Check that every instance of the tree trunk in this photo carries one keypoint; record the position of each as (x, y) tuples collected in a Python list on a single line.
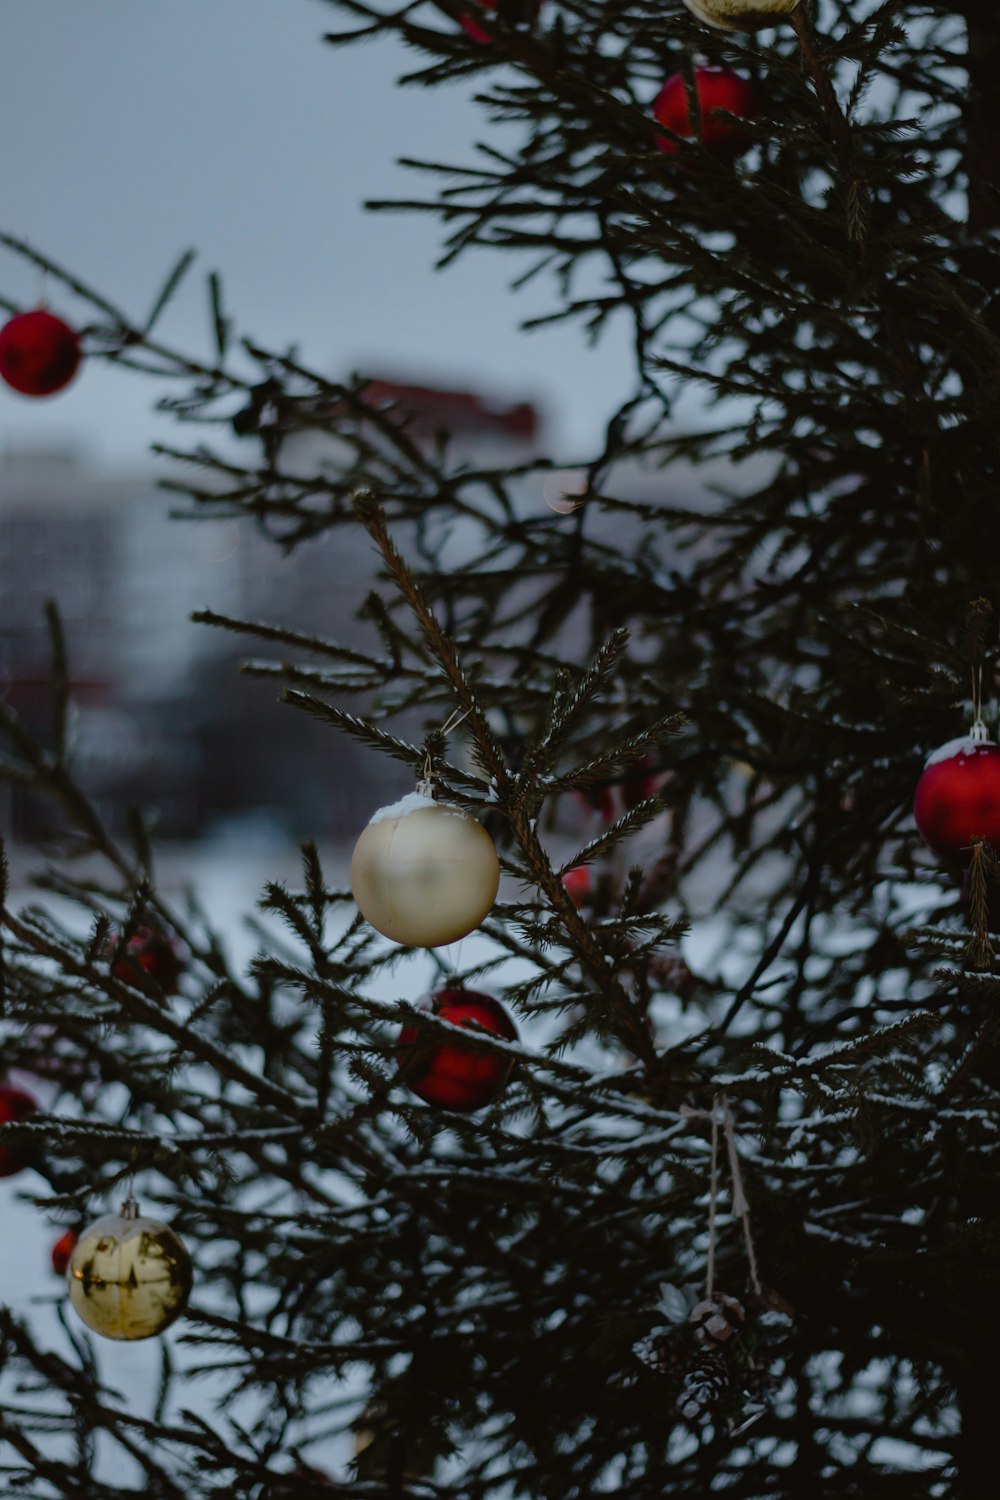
[(978, 1465), (982, 114)]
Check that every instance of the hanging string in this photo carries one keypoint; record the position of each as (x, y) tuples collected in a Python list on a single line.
[(713, 1205), (741, 1208), (454, 719), (740, 1203), (425, 781)]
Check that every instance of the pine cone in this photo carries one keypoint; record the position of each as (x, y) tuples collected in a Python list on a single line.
[(705, 1384), (718, 1319), (658, 1352), (760, 1382), (665, 1357)]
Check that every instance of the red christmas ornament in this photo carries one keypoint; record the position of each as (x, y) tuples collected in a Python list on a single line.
[(476, 32), (39, 353), (62, 1250), (616, 795), (150, 962), (447, 1073), (579, 885), (314, 1476), (958, 797), (715, 89), (15, 1105)]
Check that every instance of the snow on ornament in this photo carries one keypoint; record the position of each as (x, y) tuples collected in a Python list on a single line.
[(424, 872), (741, 15), (958, 796)]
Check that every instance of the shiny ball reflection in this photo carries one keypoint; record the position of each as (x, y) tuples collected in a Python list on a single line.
[(129, 1277)]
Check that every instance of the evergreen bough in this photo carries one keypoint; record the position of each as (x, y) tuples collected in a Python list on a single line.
[(492, 1289)]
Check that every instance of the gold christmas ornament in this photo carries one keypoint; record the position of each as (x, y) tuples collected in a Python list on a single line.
[(129, 1277), (741, 15), (424, 873), (380, 1444)]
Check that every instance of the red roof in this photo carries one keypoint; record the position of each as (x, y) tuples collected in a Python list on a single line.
[(431, 409)]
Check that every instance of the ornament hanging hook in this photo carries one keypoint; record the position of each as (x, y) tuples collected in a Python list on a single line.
[(130, 1208), (426, 779), (978, 732)]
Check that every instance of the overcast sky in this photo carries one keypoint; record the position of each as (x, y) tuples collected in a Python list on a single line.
[(131, 130)]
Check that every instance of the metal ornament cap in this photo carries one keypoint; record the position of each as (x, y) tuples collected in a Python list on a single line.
[(129, 1277), (424, 873), (741, 15)]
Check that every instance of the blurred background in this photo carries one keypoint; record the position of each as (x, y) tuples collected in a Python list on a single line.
[(162, 717), (130, 133)]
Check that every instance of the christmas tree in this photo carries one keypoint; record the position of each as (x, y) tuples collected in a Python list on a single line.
[(683, 1179)]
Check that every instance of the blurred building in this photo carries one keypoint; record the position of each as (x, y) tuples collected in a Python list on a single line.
[(161, 716)]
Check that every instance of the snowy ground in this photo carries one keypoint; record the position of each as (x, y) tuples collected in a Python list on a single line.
[(229, 876)]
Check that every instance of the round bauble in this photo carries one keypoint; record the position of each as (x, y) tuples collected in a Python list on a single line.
[(615, 795), (39, 353), (62, 1251), (716, 89), (579, 885), (15, 1105), (424, 873), (389, 1448), (129, 1277), (958, 798), (150, 962), (448, 1074), (526, 10), (741, 15)]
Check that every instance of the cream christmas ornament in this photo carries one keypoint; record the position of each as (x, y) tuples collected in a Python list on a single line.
[(741, 15), (424, 873), (129, 1277)]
